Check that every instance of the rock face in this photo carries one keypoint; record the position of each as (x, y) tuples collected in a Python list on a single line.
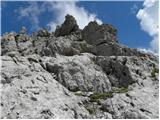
[(97, 34), (28, 91), (75, 73), (104, 39)]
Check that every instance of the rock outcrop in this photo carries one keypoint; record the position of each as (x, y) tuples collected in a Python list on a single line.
[(96, 34), (75, 73), (104, 39), (69, 25), (43, 33)]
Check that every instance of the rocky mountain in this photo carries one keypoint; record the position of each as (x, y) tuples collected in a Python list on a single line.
[(74, 73)]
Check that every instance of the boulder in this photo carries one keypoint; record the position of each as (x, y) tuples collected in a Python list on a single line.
[(79, 73), (118, 74)]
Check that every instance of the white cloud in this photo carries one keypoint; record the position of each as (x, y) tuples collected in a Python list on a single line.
[(59, 10), (148, 17), (82, 16), (134, 9), (149, 51), (31, 12)]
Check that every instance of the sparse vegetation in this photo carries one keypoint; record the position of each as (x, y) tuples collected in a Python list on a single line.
[(154, 71), (90, 110), (78, 94), (122, 90), (144, 77), (74, 89), (96, 96)]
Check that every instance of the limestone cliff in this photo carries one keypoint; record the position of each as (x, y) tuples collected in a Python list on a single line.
[(74, 73)]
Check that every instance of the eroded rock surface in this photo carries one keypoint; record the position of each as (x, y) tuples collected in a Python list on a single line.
[(73, 73)]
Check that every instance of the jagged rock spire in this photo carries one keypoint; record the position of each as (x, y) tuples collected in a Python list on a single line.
[(69, 26), (94, 33)]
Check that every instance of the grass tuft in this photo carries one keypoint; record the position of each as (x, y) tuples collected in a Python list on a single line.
[(154, 71), (122, 90), (90, 110), (96, 96), (79, 94)]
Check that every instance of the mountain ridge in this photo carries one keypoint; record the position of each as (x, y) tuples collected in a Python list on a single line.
[(76, 73)]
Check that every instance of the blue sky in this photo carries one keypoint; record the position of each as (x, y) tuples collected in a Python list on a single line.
[(120, 14)]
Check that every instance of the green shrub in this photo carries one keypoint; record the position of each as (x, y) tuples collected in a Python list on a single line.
[(122, 90), (96, 96), (154, 71), (90, 110), (78, 94), (153, 74), (144, 77)]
